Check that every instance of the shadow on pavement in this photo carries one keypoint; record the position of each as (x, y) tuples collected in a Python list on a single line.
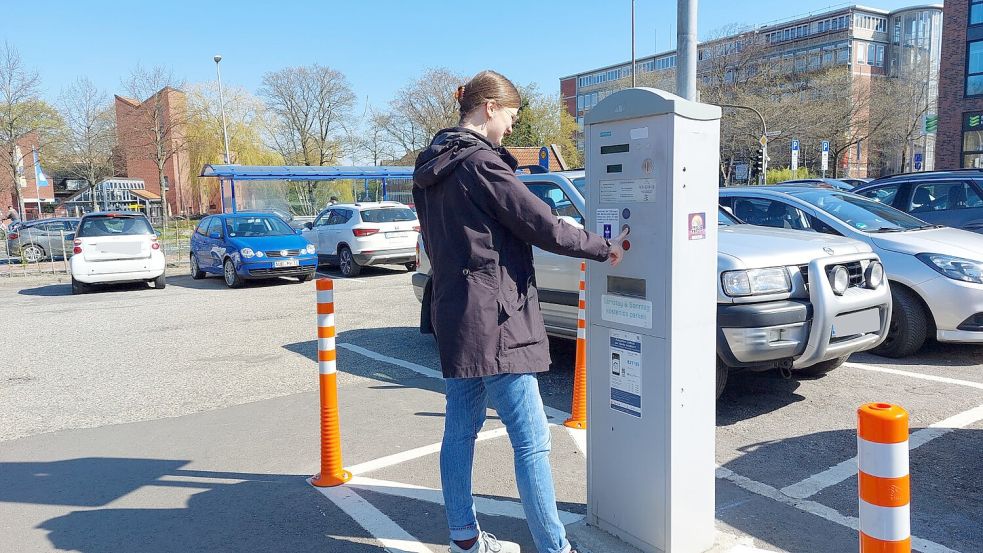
[(750, 394), (368, 272), (264, 512), (215, 282), (48, 290)]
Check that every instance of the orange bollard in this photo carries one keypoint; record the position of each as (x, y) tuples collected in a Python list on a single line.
[(332, 473), (884, 485), (578, 410)]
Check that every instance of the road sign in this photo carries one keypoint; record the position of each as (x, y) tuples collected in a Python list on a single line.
[(763, 140), (825, 147), (795, 155), (931, 123), (918, 162), (544, 158)]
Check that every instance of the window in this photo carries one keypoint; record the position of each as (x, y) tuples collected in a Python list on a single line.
[(580, 102), (339, 217), (388, 215), (214, 227), (259, 225), (974, 68), (769, 213), (976, 12), (883, 194), (557, 200), (943, 196), (872, 54), (861, 54), (880, 55), (114, 225), (972, 151)]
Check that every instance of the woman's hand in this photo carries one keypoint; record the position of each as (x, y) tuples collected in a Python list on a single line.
[(617, 253)]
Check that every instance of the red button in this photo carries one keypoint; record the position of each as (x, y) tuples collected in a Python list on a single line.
[(626, 245)]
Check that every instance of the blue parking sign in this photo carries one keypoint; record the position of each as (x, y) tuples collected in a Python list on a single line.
[(825, 145), (795, 145)]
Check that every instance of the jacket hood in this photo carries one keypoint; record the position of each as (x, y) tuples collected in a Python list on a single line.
[(448, 149)]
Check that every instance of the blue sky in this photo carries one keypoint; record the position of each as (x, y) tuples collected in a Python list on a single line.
[(378, 44)]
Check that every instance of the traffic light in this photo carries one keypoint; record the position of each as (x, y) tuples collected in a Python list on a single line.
[(759, 161)]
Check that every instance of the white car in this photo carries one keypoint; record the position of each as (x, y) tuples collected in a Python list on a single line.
[(367, 233), (116, 247)]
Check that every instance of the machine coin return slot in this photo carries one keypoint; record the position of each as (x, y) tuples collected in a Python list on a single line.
[(624, 286), (615, 149), (614, 168)]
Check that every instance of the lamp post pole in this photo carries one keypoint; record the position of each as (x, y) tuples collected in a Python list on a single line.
[(221, 100)]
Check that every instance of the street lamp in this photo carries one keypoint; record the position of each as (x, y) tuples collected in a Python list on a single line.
[(764, 140), (221, 99)]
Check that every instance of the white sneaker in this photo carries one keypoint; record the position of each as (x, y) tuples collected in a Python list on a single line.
[(487, 543)]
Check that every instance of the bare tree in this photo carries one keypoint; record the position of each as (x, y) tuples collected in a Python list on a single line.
[(90, 132), (421, 108), (156, 132), (22, 113)]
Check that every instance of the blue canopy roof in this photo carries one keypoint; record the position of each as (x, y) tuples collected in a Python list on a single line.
[(304, 172)]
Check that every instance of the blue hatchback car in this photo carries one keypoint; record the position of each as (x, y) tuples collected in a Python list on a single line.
[(249, 245)]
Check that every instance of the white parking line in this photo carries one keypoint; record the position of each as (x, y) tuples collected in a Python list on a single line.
[(377, 524), (933, 378), (416, 453), (848, 469), (818, 509)]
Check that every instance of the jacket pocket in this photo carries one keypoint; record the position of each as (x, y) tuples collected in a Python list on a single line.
[(524, 327)]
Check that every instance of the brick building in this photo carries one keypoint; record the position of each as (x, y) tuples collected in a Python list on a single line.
[(136, 122), (960, 135), (29, 191), (870, 41)]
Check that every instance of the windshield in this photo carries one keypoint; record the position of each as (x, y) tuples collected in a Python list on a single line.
[(579, 182), (725, 219), (113, 226), (859, 212), (259, 225), (388, 215)]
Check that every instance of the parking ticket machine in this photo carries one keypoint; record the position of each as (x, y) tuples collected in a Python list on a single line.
[(652, 165)]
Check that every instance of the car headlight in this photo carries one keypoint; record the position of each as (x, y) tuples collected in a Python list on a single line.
[(246, 252), (754, 282), (955, 268), (874, 275), (311, 248), (839, 278), (260, 254)]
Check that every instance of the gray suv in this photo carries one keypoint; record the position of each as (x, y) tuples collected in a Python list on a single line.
[(785, 299)]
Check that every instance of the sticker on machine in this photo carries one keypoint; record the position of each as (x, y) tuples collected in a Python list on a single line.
[(625, 310), (625, 357), (627, 190), (697, 226), (607, 222)]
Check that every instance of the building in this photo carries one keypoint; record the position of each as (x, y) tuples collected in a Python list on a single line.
[(114, 194), (34, 198), (136, 125), (960, 136), (871, 42)]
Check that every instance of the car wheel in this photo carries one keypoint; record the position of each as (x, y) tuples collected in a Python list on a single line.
[(32, 253), (909, 325), (349, 267), (160, 283), (410, 266), (722, 371), (822, 368), (78, 287), (232, 278), (196, 272)]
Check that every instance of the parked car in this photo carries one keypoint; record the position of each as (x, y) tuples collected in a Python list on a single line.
[(776, 302), (936, 273), (950, 198), (43, 239), (250, 245), (368, 233), (837, 184), (115, 247), (855, 181)]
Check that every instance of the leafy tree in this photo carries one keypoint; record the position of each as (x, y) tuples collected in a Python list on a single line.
[(90, 133)]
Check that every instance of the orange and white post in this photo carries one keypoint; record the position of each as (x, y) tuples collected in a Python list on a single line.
[(332, 473), (884, 485), (578, 409)]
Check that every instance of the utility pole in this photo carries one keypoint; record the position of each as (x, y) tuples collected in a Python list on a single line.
[(633, 43), (686, 49)]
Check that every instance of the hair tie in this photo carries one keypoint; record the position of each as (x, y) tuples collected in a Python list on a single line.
[(459, 93)]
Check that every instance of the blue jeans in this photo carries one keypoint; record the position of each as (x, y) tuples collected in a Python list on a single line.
[(519, 405)]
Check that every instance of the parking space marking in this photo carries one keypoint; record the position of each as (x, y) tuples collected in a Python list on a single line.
[(933, 378), (416, 453), (375, 522), (848, 469), (818, 509), (484, 505), (419, 369)]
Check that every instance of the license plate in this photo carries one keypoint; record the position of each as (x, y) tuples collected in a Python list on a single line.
[(400, 234), (860, 322), (286, 263), (124, 248)]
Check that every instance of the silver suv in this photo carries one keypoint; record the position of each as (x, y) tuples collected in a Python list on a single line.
[(785, 299)]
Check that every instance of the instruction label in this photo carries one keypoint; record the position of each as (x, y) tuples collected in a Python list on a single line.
[(624, 310), (627, 190), (607, 222), (626, 372)]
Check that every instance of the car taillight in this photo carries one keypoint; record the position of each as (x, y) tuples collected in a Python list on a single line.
[(77, 249), (12, 236), (363, 232), (155, 245)]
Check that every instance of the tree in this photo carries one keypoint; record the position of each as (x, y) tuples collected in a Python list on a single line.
[(543, 120), (420, 109), (90, 132), (158, 132), (22, 113)]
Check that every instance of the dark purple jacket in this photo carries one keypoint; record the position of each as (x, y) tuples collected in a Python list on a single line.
[(478, 223)]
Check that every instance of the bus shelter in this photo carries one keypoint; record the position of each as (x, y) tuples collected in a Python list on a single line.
[(388, 176)]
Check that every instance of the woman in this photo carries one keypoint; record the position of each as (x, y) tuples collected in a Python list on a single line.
[(479, 223)]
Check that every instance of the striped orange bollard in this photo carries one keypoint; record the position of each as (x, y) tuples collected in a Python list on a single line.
[(885, 491), (578, 411), (332, 473)]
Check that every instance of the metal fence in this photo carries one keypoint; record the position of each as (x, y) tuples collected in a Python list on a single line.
[(174, 240)]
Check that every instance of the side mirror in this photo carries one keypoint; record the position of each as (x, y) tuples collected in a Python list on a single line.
[(309, 225), (300, 230), (215, 235)]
